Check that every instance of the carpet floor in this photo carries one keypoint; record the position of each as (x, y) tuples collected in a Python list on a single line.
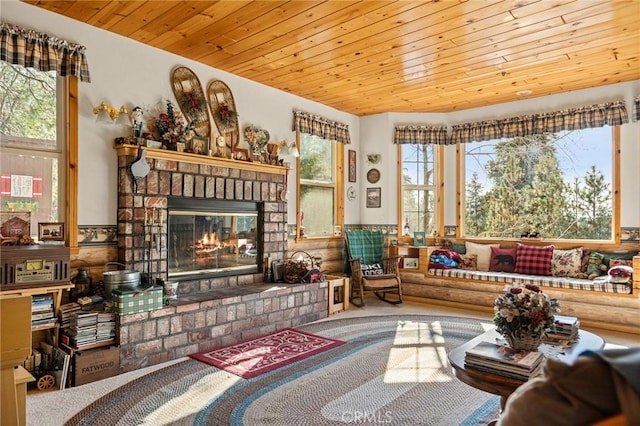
[(392, 370)]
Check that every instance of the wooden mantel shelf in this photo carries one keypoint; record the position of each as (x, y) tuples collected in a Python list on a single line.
[(163, 154)]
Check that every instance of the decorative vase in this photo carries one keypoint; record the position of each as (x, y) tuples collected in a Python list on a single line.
[(527, 343)]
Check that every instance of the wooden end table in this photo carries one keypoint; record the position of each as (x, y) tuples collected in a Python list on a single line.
[(504, 386)]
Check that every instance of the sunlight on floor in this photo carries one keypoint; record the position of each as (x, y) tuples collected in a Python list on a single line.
[(193, 400), (418, 354)]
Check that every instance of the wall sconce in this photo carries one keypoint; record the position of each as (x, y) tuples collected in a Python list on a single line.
[(123, 117), (108, 114), (286, 149)]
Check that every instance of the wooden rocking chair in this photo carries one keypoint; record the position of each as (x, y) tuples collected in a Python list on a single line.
[(370, 270)]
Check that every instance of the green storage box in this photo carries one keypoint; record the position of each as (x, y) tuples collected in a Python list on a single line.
[(127, 301)]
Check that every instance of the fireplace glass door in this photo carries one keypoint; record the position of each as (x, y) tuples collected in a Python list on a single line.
[(217, 242)]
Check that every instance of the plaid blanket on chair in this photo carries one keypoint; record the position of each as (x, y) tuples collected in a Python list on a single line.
[(366, 245)]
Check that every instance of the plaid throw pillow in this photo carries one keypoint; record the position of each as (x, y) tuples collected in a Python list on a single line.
[(532, 260)]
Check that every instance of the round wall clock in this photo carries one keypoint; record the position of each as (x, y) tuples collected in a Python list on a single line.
[(373, 175), (351, 193)]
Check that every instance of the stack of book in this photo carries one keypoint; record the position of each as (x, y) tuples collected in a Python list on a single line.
[(504, 361), (42, 314), (106, 327), (65, 312), (567, 328), (89, 329), (82, 329)]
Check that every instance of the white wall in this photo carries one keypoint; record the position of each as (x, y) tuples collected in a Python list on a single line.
[(125, 72)]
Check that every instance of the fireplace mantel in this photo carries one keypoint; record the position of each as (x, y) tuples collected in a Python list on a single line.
[(186, 157)]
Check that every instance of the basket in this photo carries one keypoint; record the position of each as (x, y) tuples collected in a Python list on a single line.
[(527, 343), (298, 266)]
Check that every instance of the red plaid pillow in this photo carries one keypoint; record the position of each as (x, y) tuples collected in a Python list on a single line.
[(533, 260)]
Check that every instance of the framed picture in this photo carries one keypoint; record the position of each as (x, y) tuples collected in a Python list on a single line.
[(411, 263), (199, 145), (241, 154), (450, 231), (51, 231), (629, 235), (419, 238), (373, 197), (352, 166)]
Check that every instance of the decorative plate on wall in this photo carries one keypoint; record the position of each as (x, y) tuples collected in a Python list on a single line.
[(373, 175), (351, 193)]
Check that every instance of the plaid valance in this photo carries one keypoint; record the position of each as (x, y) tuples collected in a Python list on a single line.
[(599, 115), (421, 135), (29, 48), (636, 109), (321, 127)]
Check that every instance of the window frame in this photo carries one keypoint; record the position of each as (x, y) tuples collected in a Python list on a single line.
[(558, 243), (339, 170), (438, 185), (67, 96)]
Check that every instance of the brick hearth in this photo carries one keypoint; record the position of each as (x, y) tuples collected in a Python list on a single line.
[(208, 312)]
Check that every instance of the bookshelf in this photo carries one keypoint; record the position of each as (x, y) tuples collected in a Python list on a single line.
[(414, 252), (55, 291)]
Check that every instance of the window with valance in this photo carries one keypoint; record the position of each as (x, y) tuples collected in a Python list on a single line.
[(321, 145), (36, 142)]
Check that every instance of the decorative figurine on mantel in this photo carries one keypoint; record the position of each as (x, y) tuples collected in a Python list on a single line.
[(138, 121)]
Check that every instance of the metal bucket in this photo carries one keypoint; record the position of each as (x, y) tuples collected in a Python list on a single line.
[(119, 279)]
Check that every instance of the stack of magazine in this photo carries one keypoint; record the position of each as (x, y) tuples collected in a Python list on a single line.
[(504, 361), (567, 328)]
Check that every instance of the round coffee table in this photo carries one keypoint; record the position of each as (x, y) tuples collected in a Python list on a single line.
[(504, 386)]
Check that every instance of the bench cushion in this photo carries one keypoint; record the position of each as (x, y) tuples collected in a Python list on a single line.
[(542, 281)]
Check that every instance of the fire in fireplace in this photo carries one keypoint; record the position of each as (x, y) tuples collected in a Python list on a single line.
[(211, 237)]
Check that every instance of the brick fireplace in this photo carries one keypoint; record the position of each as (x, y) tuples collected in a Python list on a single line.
[(208, 312), (192, 177)]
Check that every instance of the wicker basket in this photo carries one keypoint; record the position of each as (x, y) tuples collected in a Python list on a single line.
[(297, 267), (526, 343)]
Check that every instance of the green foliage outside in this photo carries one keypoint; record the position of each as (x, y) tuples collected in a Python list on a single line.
[(27, 102), (528, 193)]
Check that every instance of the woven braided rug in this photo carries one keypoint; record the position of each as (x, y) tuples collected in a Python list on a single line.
[(392, 370)]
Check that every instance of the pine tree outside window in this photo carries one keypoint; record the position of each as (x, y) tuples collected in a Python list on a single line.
[(559, 186)]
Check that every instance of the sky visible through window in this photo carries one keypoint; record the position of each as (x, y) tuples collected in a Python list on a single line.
[(577, 151)]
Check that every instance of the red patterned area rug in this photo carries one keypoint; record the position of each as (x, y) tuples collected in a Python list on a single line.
[(254, 357)]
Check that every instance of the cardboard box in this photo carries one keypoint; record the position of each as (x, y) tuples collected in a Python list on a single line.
[(136, 301), (96, 364)]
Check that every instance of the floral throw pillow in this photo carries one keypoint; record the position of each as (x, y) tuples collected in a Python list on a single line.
[(468, 262), (533, 260), (566, 263)]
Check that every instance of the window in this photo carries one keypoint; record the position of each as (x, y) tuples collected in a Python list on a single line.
[(418, 189), (559, 186), (318, 186), (33, 153)]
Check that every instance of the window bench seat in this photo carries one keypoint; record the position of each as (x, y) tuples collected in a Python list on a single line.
[(543, 282), (597, 304)]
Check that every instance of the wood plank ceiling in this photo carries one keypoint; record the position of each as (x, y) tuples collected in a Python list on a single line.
[(368, 57)]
